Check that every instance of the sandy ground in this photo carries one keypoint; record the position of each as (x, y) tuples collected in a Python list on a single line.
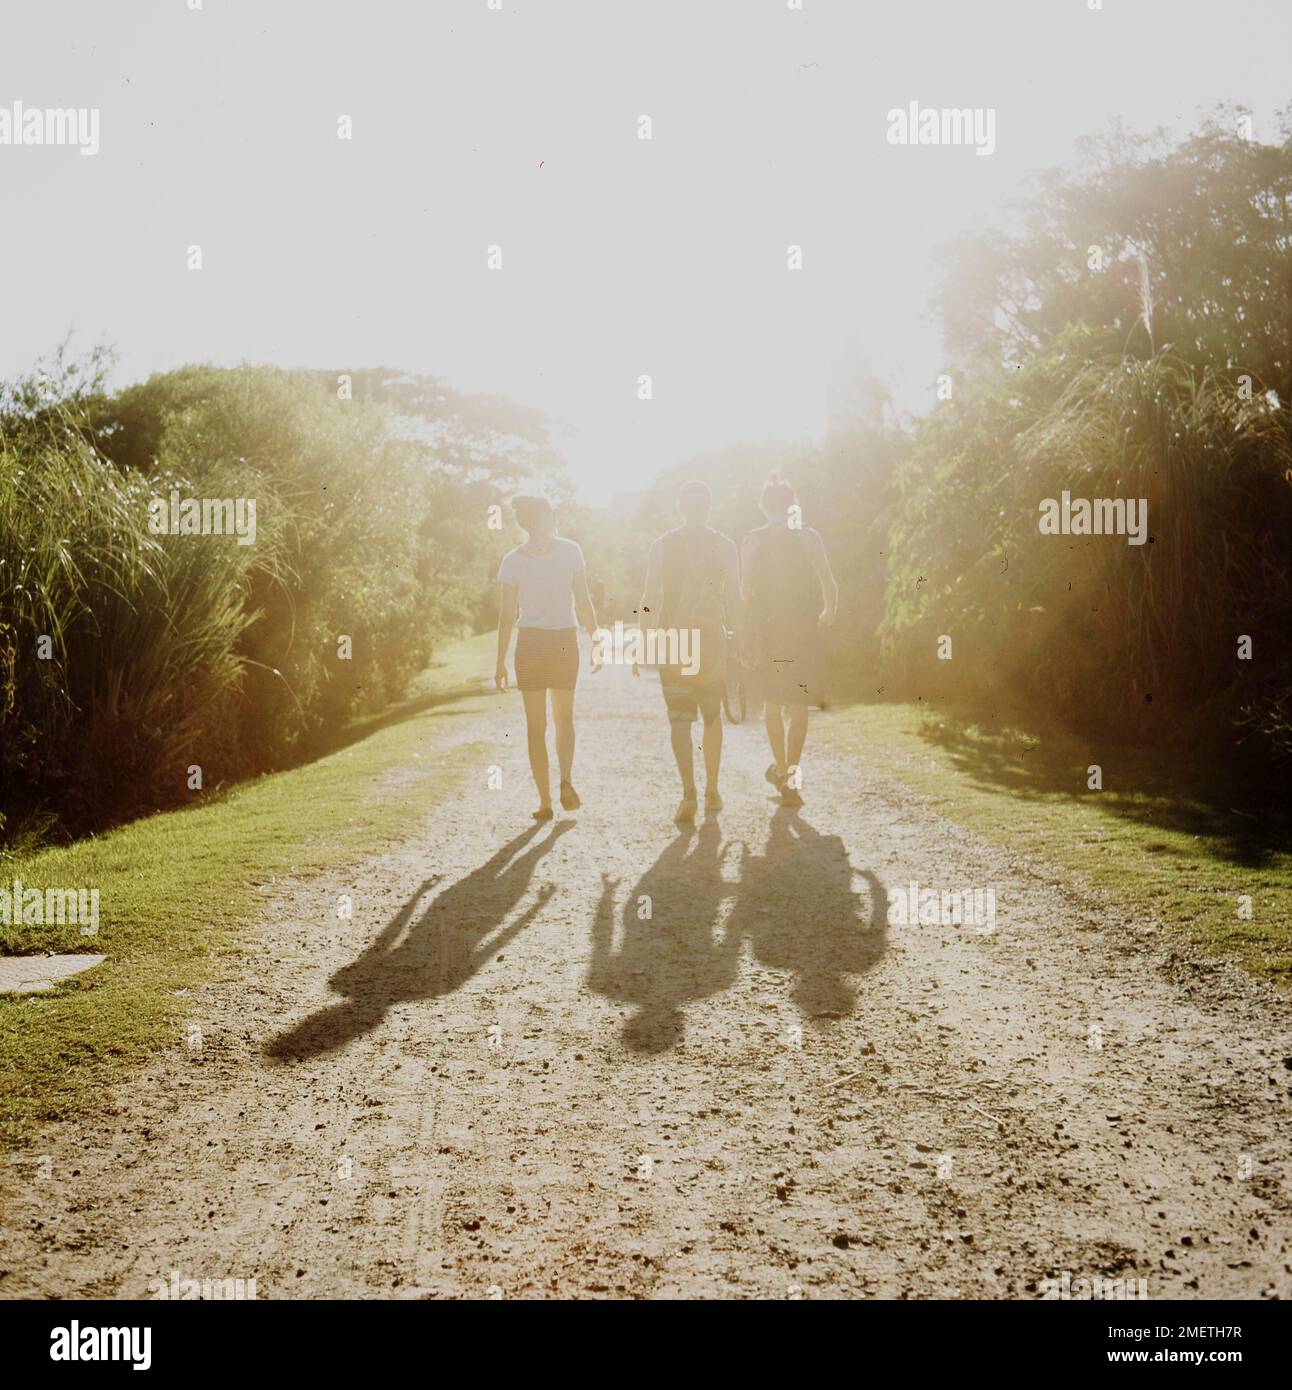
[(502, 1079)]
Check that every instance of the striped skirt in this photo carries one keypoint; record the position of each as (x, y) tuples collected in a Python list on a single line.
[(547, 658)]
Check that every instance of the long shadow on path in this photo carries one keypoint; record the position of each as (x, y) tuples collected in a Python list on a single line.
[(798, 904), (676, 953), (428, 948), (800, 909)]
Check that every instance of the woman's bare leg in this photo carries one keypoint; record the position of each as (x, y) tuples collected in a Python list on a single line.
[(536, 731), (563, 718)]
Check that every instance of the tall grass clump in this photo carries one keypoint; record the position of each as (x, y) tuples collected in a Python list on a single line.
[(118, 652), (1212, 456), (1140, 639), (129, 659)]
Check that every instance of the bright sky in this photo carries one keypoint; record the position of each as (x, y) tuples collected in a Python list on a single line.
[(518, 128)]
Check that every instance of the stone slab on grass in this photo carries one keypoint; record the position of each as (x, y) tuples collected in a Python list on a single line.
[(30, 974)]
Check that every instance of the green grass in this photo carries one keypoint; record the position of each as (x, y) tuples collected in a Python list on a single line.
[(174, 889), (1155, 845)]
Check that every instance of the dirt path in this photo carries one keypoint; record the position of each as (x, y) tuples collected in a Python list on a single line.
[(498, 1079)]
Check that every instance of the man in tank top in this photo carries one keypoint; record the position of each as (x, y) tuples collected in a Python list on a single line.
[(789, 595), (693, 588)]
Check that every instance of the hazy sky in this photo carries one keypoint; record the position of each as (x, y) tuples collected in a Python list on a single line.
[(518, 128)]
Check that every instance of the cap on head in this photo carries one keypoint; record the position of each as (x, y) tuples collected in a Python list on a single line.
[(693, 500)]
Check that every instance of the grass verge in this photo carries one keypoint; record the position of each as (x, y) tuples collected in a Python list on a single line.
[(1185, 855), (175, 887)]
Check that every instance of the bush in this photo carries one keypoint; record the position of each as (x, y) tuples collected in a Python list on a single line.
[(126, 657)]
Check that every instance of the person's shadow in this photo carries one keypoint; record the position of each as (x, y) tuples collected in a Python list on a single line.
[(670, 950), (458, 929), (801, 913)]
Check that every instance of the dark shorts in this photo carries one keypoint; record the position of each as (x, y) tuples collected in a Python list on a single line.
[(685, 700), (547, 658)]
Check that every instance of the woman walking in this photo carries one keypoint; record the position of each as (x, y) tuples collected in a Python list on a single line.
[(789, 592), (544, 587)]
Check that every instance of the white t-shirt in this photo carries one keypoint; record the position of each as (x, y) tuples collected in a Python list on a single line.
[(544, 583)]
